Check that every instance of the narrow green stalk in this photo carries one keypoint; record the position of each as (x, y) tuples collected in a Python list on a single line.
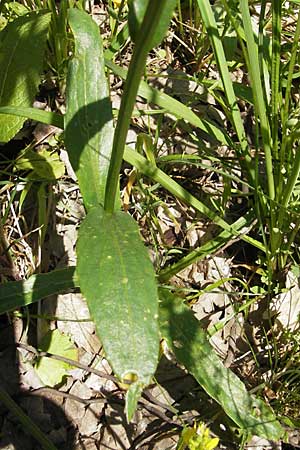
[(135, 71), (212, 30), (290, 74), (180, 17), (214, 245), (291, 183), (285, 115), (174, 188), (27, 423), (261, 36), (275, 83), (258, 95)]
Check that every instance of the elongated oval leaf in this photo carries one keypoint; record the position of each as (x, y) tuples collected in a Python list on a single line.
[(137, 11), (188, 341), (118, 281), (21, 63), (88, 120)]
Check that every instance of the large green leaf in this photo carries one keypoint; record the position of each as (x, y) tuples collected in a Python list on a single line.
[(21, 63), (118, 281), (137, 10), (188, 341), (89, 119)]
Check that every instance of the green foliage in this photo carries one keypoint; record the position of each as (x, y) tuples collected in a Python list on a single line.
[(114, 271), (270, 81), (21, 63)]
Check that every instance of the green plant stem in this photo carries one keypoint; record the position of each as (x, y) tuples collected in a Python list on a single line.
[(135, 71), (276, 33), (178, 191), (290, 242), (212, 30), (27, 423), (224, 239), (292, 180), (285, 115), (258, 94)]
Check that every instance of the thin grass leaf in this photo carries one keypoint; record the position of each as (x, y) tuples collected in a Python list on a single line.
[(258, 94), (26, 421), (212, 30), (175, 107), (275, 77), (48, 117), (178, 191), (242, 225), (15, 294)]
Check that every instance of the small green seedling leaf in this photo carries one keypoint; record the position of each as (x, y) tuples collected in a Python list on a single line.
[(51, 371), (188, 341), (118, 281), (21, 63), (89, 119), (44, 165), (137, 10)]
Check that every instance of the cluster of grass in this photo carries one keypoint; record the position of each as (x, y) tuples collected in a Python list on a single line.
[(241, 117)]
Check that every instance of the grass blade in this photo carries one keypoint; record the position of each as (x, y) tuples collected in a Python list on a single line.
[(258, 95), (178, 191), (15, 294), (212, 30), (175, 107)]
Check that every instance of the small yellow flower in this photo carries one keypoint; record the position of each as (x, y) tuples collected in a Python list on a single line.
[(197, 438), (202, 440), (117, 3)]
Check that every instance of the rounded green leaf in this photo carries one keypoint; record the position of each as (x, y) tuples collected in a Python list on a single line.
[(118, 281)]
